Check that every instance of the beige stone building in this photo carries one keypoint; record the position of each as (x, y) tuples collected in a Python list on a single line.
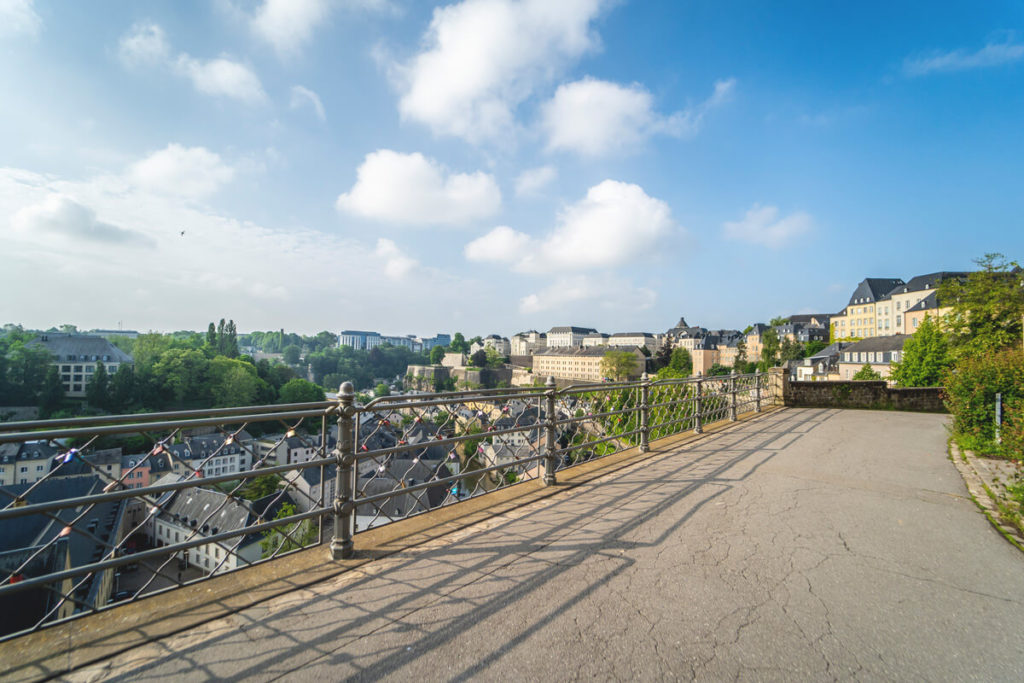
[(860, 317), (878, 352), (77, 356), (580, 364), (893, 311)]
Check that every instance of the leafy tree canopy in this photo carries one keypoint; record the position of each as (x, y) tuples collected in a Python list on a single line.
[(867, 373), (926, 357)]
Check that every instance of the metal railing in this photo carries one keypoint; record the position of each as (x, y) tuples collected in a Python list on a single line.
[(132, 505)]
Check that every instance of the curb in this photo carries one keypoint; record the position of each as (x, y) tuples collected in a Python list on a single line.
[(982, 495)]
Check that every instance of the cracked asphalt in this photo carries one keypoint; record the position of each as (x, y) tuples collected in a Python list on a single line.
[(804, 545)]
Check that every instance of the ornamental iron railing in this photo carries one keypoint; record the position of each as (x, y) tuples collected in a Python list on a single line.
[(99, 511)]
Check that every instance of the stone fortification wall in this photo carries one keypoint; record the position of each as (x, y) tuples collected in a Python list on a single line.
[(862, 394)]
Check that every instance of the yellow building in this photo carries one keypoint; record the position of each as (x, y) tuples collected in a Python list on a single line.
[(860, 317), (893, 310)]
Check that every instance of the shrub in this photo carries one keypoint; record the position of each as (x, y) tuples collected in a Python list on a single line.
[(971, 387), (1013, 431)]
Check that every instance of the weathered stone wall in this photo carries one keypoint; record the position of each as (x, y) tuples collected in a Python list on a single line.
[(862, 394)]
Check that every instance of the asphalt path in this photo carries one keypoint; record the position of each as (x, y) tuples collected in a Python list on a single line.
[(803, 545)]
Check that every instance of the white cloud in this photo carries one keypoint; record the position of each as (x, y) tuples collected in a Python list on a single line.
[(261, 273), (614, 224), (304, 96), (411, 189), (568, 293), (222, 77), (396, 264), (993, 54), (484, 57), (503, 244), (19, 17), (288, 24), (594, 117), (190, 172), (62, 216), (144, 45), (762, 225), (533, 180)]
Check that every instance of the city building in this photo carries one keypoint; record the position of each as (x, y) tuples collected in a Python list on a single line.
[(821, 366), (860, 317), (893, 308), (76, 357), (365, 341), (568, 336), (630, 339), (595, 339), (526, 343), (25, 463), (577, 363), (878, 352)]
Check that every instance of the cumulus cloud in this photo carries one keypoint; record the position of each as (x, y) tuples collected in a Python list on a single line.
[(145, 44), (396, 264), (594, 117), (302, 97), (567, 293), (614, 224), (288, 24), (762, 225), (222, 77), (533, 180), (411, 189), (484, 57), (189, 172), (62, 216), (19, 17), (993, 54)]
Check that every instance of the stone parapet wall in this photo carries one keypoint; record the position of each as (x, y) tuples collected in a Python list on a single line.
[(862, 394)]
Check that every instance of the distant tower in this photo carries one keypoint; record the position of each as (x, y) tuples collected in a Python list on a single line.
[(682, 322)]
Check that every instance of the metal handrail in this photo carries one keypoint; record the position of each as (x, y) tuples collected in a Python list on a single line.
[(540, 455)]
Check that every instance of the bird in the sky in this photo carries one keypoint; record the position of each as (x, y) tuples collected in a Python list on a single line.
[(182, 233)]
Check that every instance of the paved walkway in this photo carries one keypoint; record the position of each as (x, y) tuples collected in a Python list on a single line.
[(806, 545)]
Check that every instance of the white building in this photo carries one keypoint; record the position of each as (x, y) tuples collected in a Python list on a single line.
[(77, 356), (568, 336), (526, 343)]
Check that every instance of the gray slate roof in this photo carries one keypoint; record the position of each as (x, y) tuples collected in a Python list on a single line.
[(892, 342), (573, 329), (872, 289), (80, 347)]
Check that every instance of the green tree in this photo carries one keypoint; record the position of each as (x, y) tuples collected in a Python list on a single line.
[(287, 537), (663, 356), (300, 391), (926, 357), (680, 364), (459, 344), (813, 347), (122, 388), (476, 340), (790, 349), (494, 359), (769, 349), (717, 369), (778, 320), (867, 373), (233, 383), (986, 308), (618, 365), (381, 390), (479, 359), (52, 395), (97, 390), (741, 353), (436, 355), (211, 336), (291, 354)]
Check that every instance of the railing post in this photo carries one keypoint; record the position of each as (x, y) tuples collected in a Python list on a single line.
[(344, 491), (645, 413), (732, 390), (549, 428), (699, 403), (757, 390)]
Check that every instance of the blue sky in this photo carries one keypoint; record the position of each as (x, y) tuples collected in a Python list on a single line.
[(494, 166)]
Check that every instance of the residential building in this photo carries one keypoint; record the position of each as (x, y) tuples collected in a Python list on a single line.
[(928, 306), (127, 334), (492, 341), (76, 357), (568, 336), (704, 355), (823, 365), (278, 449), (860, 317), (754, 341), (25, 463), (216, 454), (526, 343), (892, 310), (878, 352), (802, 332), (365, 341), (595, 339), (577, 363), (631, 339)]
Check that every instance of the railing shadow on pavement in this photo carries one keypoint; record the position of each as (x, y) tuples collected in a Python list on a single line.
[(316, 634)]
